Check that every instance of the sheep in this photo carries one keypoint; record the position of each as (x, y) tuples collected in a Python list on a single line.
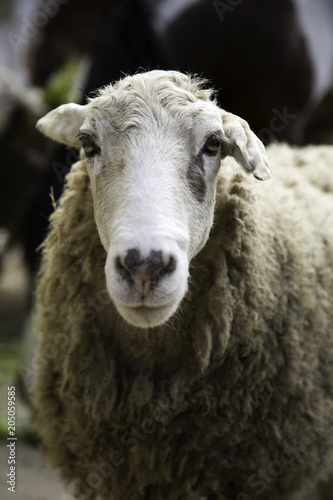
[(184, 308)]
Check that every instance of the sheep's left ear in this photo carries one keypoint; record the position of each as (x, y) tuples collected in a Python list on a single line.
[(240, 142), (62, 124)]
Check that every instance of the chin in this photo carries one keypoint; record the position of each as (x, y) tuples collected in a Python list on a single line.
[(145, 316)]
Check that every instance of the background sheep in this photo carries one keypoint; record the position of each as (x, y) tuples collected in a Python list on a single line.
[(173, 366)]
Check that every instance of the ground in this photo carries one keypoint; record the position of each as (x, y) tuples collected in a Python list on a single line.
[(34, 480)]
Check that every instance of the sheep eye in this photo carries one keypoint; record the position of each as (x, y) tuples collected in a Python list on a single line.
[(212, 145), (89, 147)]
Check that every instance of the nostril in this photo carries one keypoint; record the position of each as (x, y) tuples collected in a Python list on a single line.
[(133, 259), (169, 267), (122, 270), (129, 265), (159, 264)]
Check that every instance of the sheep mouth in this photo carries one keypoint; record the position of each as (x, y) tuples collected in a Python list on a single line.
[(147, 316)]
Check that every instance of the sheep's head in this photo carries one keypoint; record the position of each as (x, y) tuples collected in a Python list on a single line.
[(153, 144)]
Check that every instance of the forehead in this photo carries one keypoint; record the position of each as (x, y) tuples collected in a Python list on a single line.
[(157, 104)]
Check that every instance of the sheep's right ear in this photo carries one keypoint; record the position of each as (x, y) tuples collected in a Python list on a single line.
[(62, 124)]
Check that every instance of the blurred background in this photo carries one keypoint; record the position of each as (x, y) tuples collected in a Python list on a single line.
[(270, 61)]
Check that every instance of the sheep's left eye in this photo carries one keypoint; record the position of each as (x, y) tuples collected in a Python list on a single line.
[(212, 145), (89, 147)]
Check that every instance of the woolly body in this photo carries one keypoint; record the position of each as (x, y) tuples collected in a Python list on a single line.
[(232, 396)]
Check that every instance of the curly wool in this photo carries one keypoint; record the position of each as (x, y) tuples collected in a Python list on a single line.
[(233, 397)]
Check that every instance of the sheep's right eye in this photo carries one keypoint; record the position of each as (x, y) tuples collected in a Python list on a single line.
[(89, 147)]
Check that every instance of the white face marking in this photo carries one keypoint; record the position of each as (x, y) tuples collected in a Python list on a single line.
[(153, 187)]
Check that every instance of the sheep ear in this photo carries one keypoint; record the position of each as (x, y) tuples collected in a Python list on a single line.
[(240, 142), (63, 123)]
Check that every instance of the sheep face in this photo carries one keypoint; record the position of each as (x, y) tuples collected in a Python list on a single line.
[(153, 186), (152, 145)]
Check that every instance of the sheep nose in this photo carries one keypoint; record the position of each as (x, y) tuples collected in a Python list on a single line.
[(144, 273)]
